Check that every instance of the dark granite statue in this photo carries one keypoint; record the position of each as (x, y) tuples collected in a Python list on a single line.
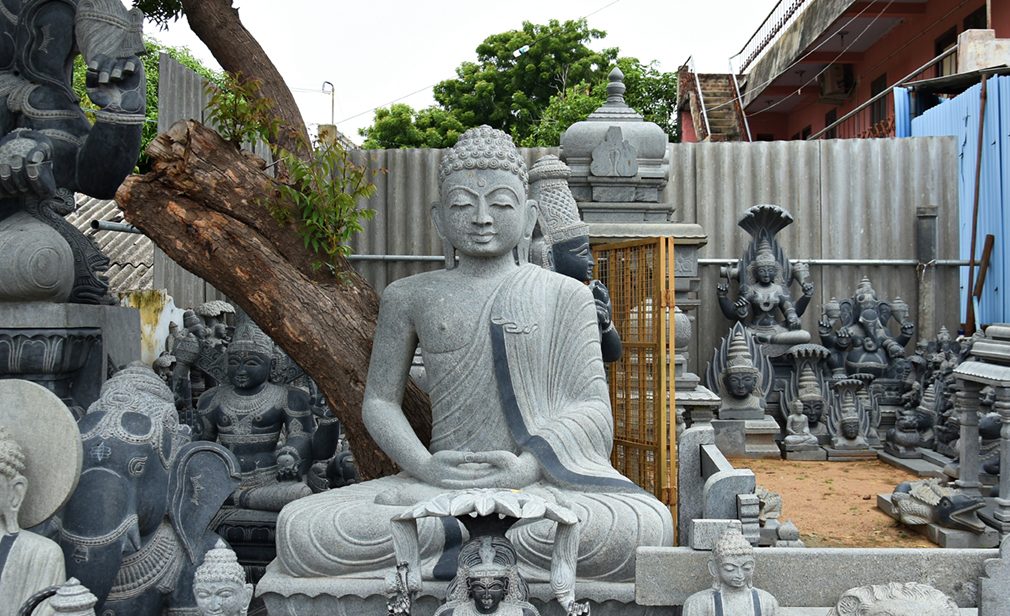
[(49, 149), (249, 415), (740, 375), (764, 274), (857, 331), (137, 526), (561, 243), (487, 582), (808, 388), (849, 421), (928, 501)]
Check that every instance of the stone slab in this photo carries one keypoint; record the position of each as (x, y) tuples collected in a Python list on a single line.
[(347, 596), (730, 437), (720, 492), (690, 481), (705, 533), (667, 576), (848, 455), (745, 414), (935, 457), (815, 455), (919, 466), (944, 537)]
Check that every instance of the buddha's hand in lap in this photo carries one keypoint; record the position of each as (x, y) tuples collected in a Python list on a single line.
[(479, 469)]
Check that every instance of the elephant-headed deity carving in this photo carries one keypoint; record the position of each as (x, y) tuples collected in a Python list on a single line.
[(137, 526)]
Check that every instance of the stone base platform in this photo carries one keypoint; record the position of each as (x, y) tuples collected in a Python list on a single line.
[(921, 467), (850, 455), (347, 596), (944, 537), (935, 457), (747, 438), (816, 454)]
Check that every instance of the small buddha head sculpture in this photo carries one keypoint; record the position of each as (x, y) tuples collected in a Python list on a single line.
[(740, 375), (219, 584), (811, 396), (850, 426), (250, 355), (483, 211), (13, 484), (732, 562)]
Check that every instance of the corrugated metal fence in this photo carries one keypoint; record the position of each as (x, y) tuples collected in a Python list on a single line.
[(959, 118), (852, 199)]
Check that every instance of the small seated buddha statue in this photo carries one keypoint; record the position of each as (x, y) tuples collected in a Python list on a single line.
[(732, 592), (798, 434), (248, 415)]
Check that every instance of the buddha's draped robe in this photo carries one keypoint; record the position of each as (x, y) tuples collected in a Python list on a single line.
[(28, 564), (531, 380)]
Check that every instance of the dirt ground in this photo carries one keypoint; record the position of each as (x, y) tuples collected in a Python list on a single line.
[(834, 504)]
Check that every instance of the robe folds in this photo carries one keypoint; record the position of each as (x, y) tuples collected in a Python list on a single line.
[(531, 380)]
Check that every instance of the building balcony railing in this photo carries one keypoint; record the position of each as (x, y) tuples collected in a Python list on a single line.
[(783, 14), (875, 117)]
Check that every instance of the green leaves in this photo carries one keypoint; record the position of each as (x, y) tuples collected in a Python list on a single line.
[(323, 191), (239, 113)]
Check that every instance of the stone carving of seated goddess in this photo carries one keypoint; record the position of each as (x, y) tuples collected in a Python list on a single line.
[(732, 592), (248, 416), (518, 396), (763, 301)]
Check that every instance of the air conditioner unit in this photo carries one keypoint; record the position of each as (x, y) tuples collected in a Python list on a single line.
[(837, 82)]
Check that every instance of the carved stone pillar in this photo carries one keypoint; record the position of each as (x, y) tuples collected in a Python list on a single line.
[(966, 402), (1002, 512)]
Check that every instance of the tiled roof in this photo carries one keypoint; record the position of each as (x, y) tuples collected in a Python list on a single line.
[(131, 254)]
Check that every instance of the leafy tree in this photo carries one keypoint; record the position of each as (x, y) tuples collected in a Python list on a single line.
[(400, 126), (182, 55), (650, 91)]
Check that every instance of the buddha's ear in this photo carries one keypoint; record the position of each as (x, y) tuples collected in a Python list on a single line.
[(532, 214)]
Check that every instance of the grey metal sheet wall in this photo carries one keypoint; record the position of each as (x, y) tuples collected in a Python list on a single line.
[(851, 199)]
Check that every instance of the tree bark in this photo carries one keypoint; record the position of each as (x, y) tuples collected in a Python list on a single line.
[(204, 204), (217, 24)]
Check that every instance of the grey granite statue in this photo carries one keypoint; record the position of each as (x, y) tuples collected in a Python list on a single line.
[(895, 599), (249, 416), (137, 525), (849, 420), (741, 375), (40, 461), (764, 274), (49, 149), (519, 398), (561, 243), (856, 330), (70, 598), (219, 584), (732, 592)]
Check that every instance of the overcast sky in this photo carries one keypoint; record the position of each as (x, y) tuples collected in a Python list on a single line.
[(395, 50)]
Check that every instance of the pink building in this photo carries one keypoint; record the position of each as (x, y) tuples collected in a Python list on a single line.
[(811, 63)]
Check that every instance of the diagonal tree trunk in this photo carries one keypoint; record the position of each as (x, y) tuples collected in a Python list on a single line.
[(204, 204), (218, 25)]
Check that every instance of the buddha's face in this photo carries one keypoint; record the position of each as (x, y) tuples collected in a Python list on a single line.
[(814, 410), (12, 493), (765, 274), (484, 212), (247, 370), (574, 259), (223, 598), (735, 571), (741, 384), (487, 593)]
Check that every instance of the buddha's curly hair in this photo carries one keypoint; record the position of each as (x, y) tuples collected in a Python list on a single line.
[(732, 543), (12, 459), (483, 148)]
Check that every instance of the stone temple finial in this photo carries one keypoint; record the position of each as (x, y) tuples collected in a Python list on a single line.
[(740, 359), (616, 87)]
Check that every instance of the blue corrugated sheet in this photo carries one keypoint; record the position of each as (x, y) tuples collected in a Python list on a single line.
[(959, 117), (902, 113)]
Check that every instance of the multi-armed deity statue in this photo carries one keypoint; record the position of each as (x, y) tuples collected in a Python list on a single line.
[(764, 303), (518, 396), (732, 592), (857, 331), (49, 149), (249, 415), (561, 243)]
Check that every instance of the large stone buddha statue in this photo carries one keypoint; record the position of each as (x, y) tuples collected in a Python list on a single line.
[(518, 395)]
